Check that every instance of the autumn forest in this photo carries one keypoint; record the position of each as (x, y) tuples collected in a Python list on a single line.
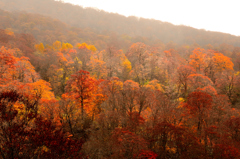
[(84, 83)]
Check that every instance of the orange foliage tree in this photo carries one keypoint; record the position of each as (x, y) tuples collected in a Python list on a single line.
[(82, 86), (7, 64), (198, 59)]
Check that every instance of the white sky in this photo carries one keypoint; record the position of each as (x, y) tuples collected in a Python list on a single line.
[(213, 15)]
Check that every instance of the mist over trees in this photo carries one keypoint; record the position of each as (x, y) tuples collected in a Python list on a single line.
[(84, 83), (102, 22)]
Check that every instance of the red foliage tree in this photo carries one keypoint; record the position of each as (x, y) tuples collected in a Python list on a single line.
[(49, 141), (127, 144), (184, 71), (198, 104), (225, 151), (25, 134), (168, 140), (16, 111)]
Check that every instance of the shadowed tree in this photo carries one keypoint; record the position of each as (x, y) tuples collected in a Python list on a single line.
[(198, 105)]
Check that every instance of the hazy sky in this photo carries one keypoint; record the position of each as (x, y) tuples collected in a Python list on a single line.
[(214, 15)]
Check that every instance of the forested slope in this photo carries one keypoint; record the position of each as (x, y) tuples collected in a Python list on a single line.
[(100, 22), (70, 92)]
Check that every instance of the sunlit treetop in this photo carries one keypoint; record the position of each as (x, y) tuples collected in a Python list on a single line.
[(86, 46)]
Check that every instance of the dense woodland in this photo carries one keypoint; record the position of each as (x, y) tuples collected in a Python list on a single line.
[(84, 83)]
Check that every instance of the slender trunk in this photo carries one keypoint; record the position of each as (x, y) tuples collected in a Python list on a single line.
[(70, 125), (185, 90), (82, 110)]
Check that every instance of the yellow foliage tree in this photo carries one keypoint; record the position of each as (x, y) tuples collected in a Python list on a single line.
[(39, 47), (66, 46), (127, 67), (57, 45), (86, 46)]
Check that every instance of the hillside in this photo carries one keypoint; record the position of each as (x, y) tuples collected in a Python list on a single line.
[(82, 83), (102, 22), (47, 30)]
